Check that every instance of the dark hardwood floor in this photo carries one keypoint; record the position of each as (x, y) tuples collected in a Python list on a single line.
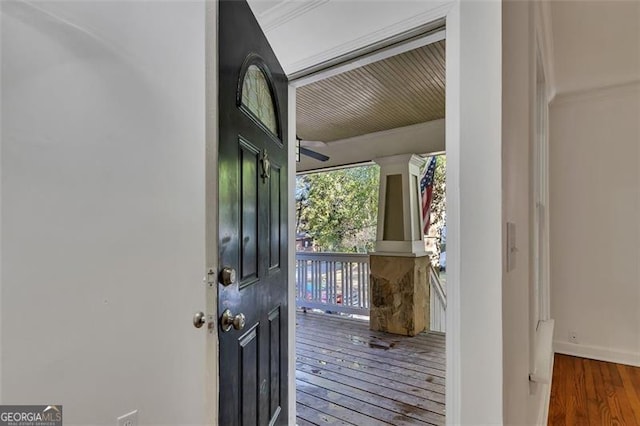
[(349, 375), (596, 393)]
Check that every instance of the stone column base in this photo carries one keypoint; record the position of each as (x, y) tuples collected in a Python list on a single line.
[(399, 294)]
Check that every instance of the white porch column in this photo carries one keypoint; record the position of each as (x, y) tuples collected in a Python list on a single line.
[(400, 265), (399, 208)]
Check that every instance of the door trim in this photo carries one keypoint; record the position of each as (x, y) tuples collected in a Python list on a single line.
[(291, 255), (450, 15), (211, 377)]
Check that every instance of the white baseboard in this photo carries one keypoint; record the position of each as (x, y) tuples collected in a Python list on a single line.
[(597, 352)]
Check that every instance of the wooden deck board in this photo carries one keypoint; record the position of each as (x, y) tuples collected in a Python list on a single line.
[(356, 354), (380, 369), (348, 374), (316, 417), (329, 320), (380, 414), (423, 354), (339, 406), (303, 422), (426, 340), (393, 357), (416, 389)]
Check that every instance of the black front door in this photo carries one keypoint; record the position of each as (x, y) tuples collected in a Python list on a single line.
[(252, 297)]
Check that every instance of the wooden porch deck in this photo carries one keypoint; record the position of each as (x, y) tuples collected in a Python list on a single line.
[(349, 375)]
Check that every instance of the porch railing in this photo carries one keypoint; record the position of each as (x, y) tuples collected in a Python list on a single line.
[(339, 282), (438, 302)]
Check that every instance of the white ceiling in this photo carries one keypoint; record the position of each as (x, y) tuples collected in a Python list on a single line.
[(304, 33), (595, 43)]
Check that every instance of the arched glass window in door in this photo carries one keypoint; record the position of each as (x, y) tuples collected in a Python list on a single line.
[(256, 97)]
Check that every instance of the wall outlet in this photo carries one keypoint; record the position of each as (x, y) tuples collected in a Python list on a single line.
[(129, 419), (573, 337)]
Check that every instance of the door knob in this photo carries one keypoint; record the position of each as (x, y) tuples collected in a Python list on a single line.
[(199, 319), (229, 320), (227, 276)]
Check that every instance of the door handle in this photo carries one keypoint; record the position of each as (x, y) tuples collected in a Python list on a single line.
[(199, 319), (229, 320), (227, 276)]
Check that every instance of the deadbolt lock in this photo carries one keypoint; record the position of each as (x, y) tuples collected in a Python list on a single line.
[(227, 276)]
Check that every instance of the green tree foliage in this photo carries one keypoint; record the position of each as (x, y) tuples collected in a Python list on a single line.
[(339, 209), (438, 207)]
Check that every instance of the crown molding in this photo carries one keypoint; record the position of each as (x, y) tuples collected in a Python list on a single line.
[(286, 11), (596, 92), (433, 14)]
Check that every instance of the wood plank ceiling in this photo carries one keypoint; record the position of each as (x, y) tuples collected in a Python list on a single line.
[(399, 91)]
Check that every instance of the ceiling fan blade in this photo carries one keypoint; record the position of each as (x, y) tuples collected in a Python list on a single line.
[(312, 144), (313, 154)]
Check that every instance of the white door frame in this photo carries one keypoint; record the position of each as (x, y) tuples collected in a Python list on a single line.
[(473, 134), (211, 385)]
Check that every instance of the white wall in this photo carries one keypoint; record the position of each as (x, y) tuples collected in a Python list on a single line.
[(523, 401), (595, 43), (595, 222), (103, 141), (517, 74), (594, 187)]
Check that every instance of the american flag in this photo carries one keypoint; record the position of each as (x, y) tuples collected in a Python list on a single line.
[(426, 190)]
